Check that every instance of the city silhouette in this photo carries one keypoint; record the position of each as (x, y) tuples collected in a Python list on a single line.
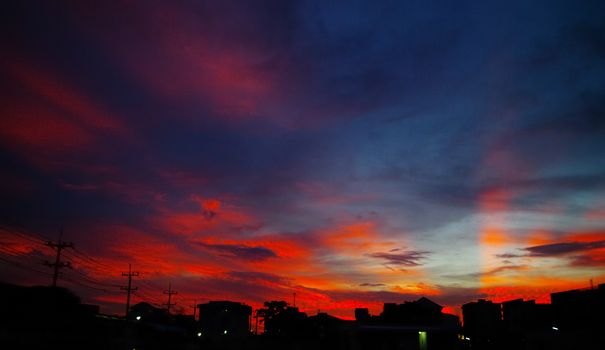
[(53, 316)]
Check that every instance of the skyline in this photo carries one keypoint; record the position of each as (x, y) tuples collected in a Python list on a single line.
[(352, 154)]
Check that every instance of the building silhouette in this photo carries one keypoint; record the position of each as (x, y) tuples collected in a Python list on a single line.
[(522, 316), (224, 319), (482, 322), (579, 318), (38, 317), (419, 324), (579, 308), (146, 312), (362, 314), (573, 320)]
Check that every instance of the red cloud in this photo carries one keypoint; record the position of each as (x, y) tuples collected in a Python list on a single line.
[(538, 292), (75, 105), (18, 243), (38, 127), (46, 118), (180, 60), (213, 215)]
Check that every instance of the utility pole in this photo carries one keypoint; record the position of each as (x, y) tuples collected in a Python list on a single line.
[(256, 323), (58, 264), (129, 288), (169, 292), (194, 306), (294, 304)]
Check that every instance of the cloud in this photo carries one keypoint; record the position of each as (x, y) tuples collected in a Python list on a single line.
[(509, 255), (237, 288), (585, 251), (591, 253), (487, 273), (588, 260), (252, 276), (448, 295), (406, 258), (240, 251), (372, 284), (209, 215), (61, 119), (557, 249), (456, 295), (380, 296)]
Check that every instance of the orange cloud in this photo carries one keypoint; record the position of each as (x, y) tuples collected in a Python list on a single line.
[(539, 237), (418, 288), (357, 238), (494, 236), (145, 251)]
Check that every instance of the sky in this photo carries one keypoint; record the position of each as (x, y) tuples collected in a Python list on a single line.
[(353, 152)]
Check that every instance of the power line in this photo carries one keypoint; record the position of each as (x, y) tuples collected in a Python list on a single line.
[(79, 283), (12, 252), (92, 260), (94, 281), (156, 302), (87, 264), (21, 266), (21, 230), (24, 236), (150, 285)]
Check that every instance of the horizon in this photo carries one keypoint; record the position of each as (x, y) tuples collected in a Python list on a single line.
[(445, 309), (353, 154)]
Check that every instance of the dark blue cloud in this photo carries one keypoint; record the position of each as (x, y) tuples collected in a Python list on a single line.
[(563, 248), (403, 258), (239, 251), (372, 284)]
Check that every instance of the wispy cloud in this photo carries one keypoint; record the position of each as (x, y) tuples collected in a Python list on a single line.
[(372, 284), (509, 255), (491, 272), (404, 258)]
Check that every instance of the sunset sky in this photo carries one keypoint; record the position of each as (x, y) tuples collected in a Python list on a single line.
[(353, 153)]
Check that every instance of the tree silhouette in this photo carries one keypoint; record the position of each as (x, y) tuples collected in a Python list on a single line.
[(270, 313)]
